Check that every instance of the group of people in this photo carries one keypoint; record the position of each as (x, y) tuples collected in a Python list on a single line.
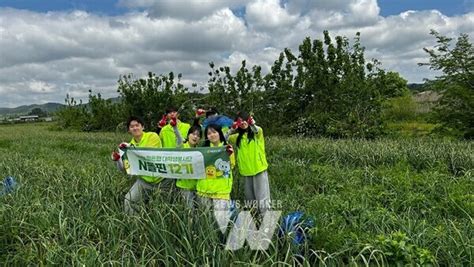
[(242, 138)]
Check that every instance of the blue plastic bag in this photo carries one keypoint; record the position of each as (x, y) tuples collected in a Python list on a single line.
[(8, 185), (298, 224)]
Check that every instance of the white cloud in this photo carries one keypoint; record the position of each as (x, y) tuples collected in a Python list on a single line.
[(268, 15), (90, 51), (186, 10), (40, 87), (339, 13), (398, 41), (44, 56)]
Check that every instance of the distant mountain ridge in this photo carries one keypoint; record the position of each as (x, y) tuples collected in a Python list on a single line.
[(48, 107), (25, 109)]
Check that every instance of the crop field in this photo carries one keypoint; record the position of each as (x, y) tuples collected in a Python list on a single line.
[(381, 202)]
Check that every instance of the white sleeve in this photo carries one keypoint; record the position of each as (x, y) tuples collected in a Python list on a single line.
[(179, 138)]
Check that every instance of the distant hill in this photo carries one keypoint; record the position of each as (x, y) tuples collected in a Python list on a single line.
[(48, 107), (416, 87), (25, 109)]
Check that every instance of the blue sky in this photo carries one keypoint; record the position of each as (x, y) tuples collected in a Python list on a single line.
[(108, 7), (111, 7), (447, 7)]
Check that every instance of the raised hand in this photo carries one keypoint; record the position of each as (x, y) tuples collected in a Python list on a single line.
[(124, 145), (200, 112), (250, 121), (163, 122), (237, 123), (173, 122), (229, 149)]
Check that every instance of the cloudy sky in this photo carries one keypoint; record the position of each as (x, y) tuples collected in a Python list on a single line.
[(51, 48)]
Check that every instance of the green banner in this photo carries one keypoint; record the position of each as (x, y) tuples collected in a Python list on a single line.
[(176, 163)]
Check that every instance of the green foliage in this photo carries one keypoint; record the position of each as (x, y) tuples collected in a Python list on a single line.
[(375, 202), (149, 97), (409, 129), (231, 94), (104, 115), (73, 115), (336, 89), (455, 109), (405, 116), (391, 84), (396, 248), (98, 114), (401, 108), (327, 89)]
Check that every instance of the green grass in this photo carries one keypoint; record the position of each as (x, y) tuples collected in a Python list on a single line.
[(410, 129), (374, 202)]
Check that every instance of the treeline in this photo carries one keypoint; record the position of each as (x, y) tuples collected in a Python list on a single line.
[(327, 89)]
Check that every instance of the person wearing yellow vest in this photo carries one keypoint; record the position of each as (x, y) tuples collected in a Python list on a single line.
[(167, 134), (165, 128), (248, 139), (188, 186), (215, 192), (144, 184)]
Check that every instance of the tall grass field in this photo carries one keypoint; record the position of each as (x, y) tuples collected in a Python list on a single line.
[(382, 202)]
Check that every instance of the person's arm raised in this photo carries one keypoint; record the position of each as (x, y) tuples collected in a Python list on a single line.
[(179, 138), (252, 125), (233, 129)]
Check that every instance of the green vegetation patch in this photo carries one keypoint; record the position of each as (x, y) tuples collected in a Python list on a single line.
[(386, 201)]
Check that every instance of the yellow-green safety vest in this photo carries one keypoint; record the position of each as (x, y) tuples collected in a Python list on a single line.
[(251, 158), (149, 139), (168, 137), (187, 184), (213, 186)]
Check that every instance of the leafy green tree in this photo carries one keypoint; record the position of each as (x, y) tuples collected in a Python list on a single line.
[(328, 89), (231, 93), (98, 114), (391, 84), (104, 115), (279, 95), (455, 109), (149, 97), (74, 115)]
